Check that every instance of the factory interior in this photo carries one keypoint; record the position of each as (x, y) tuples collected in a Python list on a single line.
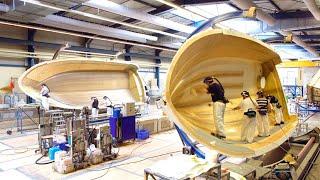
[(160, 89)]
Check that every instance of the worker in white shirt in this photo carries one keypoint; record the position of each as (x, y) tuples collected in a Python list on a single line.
[(44, 92), (249, 125), (108, 104), (277, 109)]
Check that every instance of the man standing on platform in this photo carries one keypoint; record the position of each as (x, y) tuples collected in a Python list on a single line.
[(263, 118), (215, 89)]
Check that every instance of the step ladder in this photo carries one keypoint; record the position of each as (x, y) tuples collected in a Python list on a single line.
[(58, 120)]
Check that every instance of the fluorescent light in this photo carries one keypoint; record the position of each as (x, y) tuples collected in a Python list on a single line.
[(82, 35)]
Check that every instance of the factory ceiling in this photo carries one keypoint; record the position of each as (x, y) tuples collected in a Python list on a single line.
[(168, 23)]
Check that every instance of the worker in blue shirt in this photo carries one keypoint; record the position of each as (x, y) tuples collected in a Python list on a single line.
[(215, 89)]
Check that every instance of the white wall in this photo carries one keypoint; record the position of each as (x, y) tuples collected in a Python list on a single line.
[(6, 73)]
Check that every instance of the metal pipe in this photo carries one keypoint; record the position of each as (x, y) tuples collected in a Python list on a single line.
[(313, 8), (267, 18), (246, 4), (303, 153), (72, 24), (21, 25)]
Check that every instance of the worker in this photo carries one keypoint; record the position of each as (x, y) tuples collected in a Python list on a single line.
[(108, 104), (262, 117), (248, 106), (44, 92), (216, 90), (95, 107), (277, 109)]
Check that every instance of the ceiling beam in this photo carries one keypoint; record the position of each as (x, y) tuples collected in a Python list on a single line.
[(275, 5), (83, 35), (164, 8), (73, 24), (292, 14), (54, 46), (292, 24), (145, 3), (122, 10), (309, 37), (197, 2), (63, 13), (158, 10)]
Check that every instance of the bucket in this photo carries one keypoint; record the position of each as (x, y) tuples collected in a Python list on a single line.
[(52, 152)]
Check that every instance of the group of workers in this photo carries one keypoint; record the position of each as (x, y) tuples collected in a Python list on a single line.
[(44, 92), (255, 112), (95, 105)]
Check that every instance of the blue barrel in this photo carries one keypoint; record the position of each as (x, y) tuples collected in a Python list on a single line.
[(52, 152)]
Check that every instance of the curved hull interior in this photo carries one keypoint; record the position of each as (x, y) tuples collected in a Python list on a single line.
[(239, 62)]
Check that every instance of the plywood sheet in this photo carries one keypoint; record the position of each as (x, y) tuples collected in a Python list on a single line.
[(238, 61)]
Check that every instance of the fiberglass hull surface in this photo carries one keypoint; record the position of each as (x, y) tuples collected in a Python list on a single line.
[(238, 61), (73, 82)]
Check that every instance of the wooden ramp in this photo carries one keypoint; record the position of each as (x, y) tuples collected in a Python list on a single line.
[(73, 82), (239, 62)]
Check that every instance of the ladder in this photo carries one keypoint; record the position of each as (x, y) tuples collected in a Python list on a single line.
[(58, 120)]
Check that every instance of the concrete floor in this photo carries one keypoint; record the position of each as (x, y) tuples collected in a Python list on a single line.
[(20, 164)]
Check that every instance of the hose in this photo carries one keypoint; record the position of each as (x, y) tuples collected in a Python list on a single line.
[(42, 163)]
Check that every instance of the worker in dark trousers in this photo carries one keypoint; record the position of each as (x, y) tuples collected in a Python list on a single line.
[(215, 89), (262, 117), (95, 107)]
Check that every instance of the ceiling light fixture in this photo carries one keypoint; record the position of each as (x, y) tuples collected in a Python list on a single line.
[(82, 35)]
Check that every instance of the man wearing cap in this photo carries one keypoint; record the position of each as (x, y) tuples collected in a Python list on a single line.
[(249, 124), (216, 90), (262, 118)]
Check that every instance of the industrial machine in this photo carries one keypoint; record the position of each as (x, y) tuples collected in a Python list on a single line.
[(122, 127), (84, 146)]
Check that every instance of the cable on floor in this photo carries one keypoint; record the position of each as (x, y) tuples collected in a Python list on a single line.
[(133, 162), (43, 163)]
